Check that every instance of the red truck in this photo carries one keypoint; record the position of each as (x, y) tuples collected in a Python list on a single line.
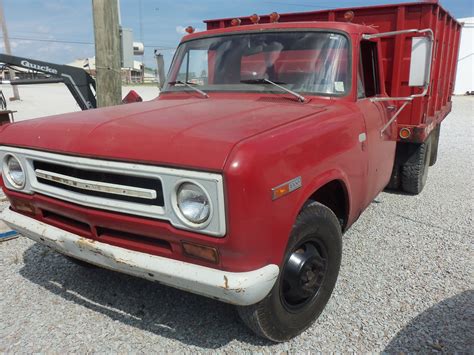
[(270, 138)]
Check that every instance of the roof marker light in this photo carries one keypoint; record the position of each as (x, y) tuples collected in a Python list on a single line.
[(236, 22), (255, 19), (274, 17), (190, 29), (349, 16)]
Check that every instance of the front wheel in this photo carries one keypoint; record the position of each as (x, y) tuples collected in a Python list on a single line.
[(306, 280)]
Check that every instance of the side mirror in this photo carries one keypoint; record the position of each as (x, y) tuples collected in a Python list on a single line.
[(421, 58), (420, 65)]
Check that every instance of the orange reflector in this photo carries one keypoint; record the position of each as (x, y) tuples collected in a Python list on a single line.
[(286, 188), (201, 252), (349, 16), (255, 19), (281, 191), (405, 133), (274, 17), (236, 22), (190, 29)]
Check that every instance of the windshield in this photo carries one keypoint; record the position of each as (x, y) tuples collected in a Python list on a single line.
[(305, 62)]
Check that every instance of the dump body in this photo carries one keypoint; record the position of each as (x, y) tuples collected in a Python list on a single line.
[(423, 113)]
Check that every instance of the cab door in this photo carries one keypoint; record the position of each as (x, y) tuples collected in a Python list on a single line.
[(380, 143)]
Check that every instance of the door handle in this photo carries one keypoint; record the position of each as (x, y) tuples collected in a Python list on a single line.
[(392, 107)]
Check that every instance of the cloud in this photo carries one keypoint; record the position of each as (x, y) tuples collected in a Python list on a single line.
[(56, 5), (181, 30), (43, 29)]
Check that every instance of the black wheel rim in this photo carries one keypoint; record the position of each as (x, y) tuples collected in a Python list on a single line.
[(303, 274)]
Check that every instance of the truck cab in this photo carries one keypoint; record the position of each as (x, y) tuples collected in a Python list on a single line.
[(267, 142)]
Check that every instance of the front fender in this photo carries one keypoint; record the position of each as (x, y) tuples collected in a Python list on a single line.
[(335, 174), (319, 149)]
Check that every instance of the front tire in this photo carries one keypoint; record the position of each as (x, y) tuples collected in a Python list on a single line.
[(307, 277)]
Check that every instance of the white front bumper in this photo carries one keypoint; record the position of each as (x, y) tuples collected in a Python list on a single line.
[(240, 288)]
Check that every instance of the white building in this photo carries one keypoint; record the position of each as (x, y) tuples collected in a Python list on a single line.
[(137, 74), (465, 74)]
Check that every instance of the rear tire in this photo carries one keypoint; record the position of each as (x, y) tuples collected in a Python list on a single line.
[(434, 145), (306, 281), (415, 170)]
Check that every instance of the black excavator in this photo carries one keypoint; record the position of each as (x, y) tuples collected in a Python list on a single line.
[(78, 81)]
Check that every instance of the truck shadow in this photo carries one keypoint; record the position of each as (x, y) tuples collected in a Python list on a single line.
[(447, 327), (149, 306)]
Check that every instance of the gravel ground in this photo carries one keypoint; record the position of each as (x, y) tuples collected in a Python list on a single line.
[(405, 284)]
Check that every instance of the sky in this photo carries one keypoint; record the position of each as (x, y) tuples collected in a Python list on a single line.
[(61, 31)]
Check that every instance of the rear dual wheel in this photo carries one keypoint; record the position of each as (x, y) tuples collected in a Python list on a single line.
[(415, 170), (410, 171), (434, 145), (306, 281)]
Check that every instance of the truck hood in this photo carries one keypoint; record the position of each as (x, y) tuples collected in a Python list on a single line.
[(179, 132)]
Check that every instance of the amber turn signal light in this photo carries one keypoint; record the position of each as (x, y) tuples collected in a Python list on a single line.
[(280, 192), (24, 207), (201, 252)]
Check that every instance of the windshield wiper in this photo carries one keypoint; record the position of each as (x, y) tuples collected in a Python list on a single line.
[(266, 81), (173, 83)]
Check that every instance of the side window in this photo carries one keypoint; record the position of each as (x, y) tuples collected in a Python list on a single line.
[(194, 68), (368, 83)]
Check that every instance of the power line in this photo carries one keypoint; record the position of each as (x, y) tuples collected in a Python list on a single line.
[(76, 42), (51, 40)]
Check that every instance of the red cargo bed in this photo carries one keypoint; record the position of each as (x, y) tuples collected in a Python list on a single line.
[(422, 112)]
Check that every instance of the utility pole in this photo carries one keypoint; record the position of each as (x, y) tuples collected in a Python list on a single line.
[(8, 50), (107, 52)]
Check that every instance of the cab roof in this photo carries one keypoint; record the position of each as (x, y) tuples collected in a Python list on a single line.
[(349, 28)]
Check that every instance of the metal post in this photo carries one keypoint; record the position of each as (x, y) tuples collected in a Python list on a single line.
[(107, 52), (8, 50), (160, 65)]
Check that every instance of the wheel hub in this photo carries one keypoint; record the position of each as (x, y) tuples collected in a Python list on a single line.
[(303, 275)]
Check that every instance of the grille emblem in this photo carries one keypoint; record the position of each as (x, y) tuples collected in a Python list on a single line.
[(103, 187)]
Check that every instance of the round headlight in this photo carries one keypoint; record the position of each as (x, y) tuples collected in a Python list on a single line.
[(193, 203), (14, 172)]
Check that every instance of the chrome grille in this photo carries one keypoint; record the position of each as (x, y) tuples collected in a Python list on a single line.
[(101, 184)]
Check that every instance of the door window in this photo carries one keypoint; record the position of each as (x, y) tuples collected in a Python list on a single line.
[(368, 74)]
